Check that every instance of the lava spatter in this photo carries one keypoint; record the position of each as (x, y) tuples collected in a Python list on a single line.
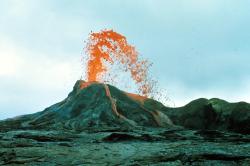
[(110, 46)]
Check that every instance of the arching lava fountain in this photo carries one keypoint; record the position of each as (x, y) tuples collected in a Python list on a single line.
[(108, 47)]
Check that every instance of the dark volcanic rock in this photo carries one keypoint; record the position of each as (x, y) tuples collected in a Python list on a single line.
[(135, 147), (213, 114), (98, 124), (91, 106)]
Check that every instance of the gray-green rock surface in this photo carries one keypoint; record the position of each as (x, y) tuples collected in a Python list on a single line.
[(98, 124)]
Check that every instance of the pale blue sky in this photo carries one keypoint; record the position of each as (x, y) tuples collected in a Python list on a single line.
[(199, 48)]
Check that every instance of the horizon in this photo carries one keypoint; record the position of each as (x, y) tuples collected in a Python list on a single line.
[(198, 49)]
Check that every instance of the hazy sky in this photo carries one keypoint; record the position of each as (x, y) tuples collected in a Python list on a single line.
[(199, 48)]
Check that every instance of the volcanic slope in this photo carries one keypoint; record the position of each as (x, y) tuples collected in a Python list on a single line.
[(98, 105)]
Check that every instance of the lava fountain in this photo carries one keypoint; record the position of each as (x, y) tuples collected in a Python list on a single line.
[(107, 47)]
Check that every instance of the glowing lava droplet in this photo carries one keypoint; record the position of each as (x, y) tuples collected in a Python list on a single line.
[(109, 46)]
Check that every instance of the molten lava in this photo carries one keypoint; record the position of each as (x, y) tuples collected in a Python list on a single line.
[(111, 47), (86, 84), (136, 97)]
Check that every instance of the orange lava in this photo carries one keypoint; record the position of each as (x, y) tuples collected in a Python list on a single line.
[(136, 97), (111, 46), (86, 84)]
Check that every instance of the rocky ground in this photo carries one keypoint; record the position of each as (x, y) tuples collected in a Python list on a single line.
[(124, 147), (98, 124)]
